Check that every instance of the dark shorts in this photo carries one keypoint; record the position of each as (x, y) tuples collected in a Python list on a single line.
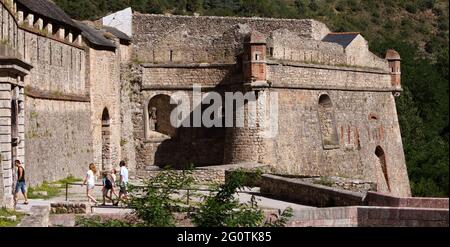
[(21, 186)]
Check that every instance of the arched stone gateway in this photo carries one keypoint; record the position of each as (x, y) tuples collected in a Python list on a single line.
[(106, 140), (158, 117), (382, 180)]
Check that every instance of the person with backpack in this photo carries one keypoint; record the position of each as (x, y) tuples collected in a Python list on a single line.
[(108, 187)]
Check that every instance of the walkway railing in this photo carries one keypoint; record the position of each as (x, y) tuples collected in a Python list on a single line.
[(189, 191)]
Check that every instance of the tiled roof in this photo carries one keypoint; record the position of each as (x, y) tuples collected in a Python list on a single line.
[(343, 39), (94, 36), (47, 9)]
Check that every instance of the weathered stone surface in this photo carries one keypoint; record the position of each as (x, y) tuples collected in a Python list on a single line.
[(369, 217), (84, 103), (68, 208), (39, 217)]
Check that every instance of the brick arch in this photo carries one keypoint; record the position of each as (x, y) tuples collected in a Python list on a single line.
[(328, 128), (106, 139), (381, 155)]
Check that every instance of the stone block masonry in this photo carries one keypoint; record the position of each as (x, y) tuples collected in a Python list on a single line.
[(370, 217), (69, 208), (90, 94), (304, 193), (58, 142)]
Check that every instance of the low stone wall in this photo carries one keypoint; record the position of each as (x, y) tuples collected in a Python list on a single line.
[(69, 208), (355, 185), (402, 217), (38, 217), (325, 217), (297, 191), (370, 217), (378, 199)]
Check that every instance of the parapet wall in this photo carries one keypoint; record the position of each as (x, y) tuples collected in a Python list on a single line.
[(370, 217), (58, 65), (308, 194), (159, 38), (377, 199)]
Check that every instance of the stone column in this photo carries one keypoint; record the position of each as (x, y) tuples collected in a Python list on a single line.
[(5, 143)]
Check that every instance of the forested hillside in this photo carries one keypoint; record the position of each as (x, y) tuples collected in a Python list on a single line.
[(418, 29)]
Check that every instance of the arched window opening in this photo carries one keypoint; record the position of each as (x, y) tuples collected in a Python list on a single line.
[(379, 152), (159, 111), (106, 140), (330, 137)]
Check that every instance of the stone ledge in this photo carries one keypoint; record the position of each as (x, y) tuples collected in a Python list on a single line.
[(378, 199), (304, 193), (329, 67), (369, 217), (40, 94), (187, 65)]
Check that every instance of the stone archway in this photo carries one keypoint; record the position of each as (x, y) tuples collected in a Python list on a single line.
[(159, 111), (106, 140)]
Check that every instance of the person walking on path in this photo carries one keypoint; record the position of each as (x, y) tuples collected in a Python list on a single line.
[(123, 182), (90, 181), (108, 187), (20, 183)]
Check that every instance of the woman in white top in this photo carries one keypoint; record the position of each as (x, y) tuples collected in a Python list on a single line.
[(90, 181)]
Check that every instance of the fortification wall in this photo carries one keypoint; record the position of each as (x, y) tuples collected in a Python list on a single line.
[(58, 139), (158, 38), (358, 54), (361, 121), (105, 96), (58, 65), (167, 76), (300, 75), (286, 45), (57, 116)]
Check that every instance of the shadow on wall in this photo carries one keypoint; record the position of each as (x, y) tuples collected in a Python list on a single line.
[(198, 146)]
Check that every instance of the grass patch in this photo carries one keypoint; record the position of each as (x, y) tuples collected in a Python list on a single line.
[(97, 221), (69, 179), (53, 189), (6, 213)]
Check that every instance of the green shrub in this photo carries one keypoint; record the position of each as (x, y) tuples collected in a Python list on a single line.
[(154, 204), (224, 210), (281, 219)]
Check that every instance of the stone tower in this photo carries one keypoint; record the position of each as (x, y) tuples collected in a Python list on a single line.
[(394, 60)]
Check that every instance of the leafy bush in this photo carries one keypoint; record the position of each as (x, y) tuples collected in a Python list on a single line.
[(224, 210), (281, 219), (411, 8), (153, 204)]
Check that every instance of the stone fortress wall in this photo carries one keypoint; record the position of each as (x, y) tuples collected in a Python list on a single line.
[(93, 95), (178, 51), (56, 96)]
